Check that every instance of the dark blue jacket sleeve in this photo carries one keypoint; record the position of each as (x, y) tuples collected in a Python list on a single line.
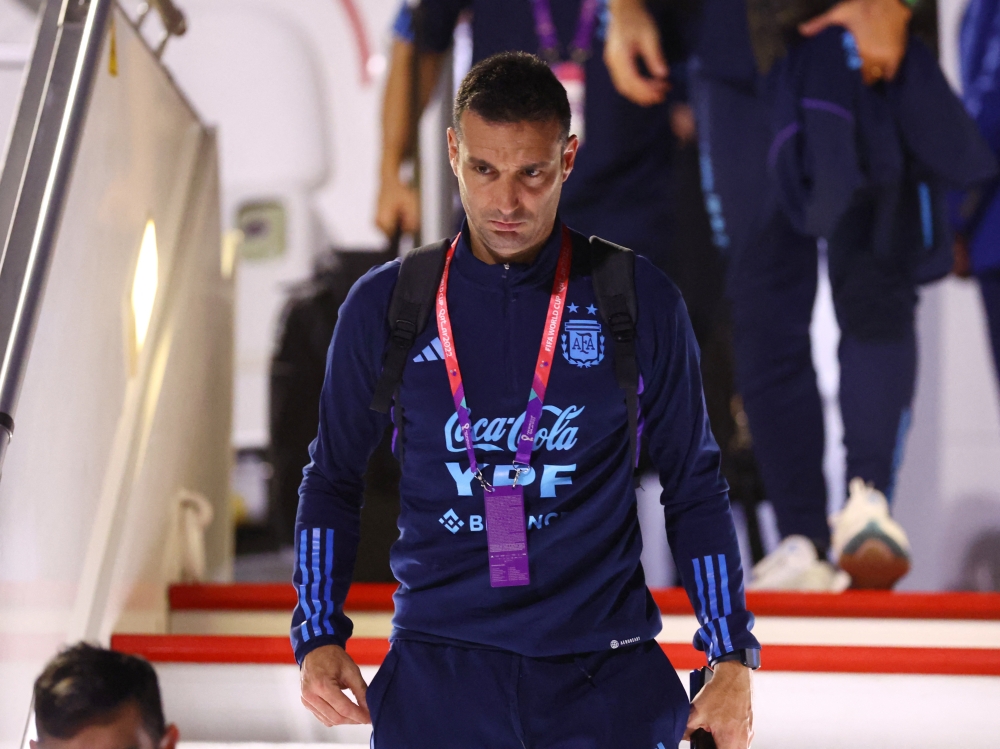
[(979, 49), (331, 494), (695, 496), (439, 18)]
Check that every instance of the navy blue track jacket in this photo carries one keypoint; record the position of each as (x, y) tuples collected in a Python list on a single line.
[(880, 156), (587, 590)]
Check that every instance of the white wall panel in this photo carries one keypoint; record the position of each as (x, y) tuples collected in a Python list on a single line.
[(17, 33), (105, 437), (297, 103)]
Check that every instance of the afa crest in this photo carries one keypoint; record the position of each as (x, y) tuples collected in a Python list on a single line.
[(583, 343)]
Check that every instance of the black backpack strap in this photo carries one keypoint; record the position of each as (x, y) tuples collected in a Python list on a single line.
[(613, 276), (410, 308)]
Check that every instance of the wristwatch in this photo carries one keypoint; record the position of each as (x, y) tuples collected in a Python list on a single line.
[(749, 657)]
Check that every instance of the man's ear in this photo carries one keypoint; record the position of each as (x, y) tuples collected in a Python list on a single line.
[(453, 149), (33, 744), (569, 155), (170, 738)]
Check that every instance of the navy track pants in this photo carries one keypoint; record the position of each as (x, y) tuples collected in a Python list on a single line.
[(432, 696), (771, 284)]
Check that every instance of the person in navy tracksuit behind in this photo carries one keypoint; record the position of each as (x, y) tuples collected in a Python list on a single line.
[(773, 264), (625, 156), (559, 648), (979, 49)]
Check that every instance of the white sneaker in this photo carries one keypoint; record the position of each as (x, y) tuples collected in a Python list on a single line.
[(795, 566), (867, 543)]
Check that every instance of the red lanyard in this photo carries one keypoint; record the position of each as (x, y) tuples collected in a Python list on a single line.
[(543, 365)]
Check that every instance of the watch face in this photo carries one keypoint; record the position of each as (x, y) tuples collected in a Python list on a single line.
[(751, 658)]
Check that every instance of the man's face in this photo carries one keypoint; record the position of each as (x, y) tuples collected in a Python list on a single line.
[(510, 176), (125, 730)]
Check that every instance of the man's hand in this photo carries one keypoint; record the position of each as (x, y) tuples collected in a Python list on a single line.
[(398, 207), (632, 35), (880, 28), (325, 672), (724, 707)]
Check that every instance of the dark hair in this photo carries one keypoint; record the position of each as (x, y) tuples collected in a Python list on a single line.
[(86, 685), (513, 87)]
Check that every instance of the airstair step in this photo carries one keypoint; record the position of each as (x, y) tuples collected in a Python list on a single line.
[(226, 689), (853, 619), (220, 649), (270, 597), (866, 604)]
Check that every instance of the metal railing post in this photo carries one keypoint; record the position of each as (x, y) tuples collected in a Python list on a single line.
[(41, 176)]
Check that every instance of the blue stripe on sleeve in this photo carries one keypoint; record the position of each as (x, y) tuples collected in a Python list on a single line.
[(701, 589), (303, 599), (316, 602), (727, 607), (926, 215), (328, 595), (724, 628), (713, 651), (713, 645), (701, 637), (710, 578)]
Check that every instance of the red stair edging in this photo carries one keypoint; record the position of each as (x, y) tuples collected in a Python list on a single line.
[(856, 604), (865, 604), (222, 649), (368, 651), (270, 597)]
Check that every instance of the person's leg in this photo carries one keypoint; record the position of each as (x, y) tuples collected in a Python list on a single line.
[(772, 287), (876, 390), (989, 286), (442, 697), (875, 299), (699, 270), (628, 698)]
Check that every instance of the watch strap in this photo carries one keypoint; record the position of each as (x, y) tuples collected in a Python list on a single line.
[(749, 657)]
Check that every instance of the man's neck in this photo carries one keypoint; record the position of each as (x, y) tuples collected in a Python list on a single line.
[(482, 252)]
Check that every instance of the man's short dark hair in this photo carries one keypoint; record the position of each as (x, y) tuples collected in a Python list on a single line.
[(86, 685), (513, 87)]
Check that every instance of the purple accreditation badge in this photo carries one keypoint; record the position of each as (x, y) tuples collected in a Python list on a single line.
[(507, 537)]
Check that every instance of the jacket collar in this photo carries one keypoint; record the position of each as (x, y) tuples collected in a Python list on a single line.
[(539, 272)]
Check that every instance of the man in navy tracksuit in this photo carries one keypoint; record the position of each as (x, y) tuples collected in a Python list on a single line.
[(557, 649)]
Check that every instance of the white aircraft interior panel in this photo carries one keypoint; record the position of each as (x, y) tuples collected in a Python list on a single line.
[(126, 396)]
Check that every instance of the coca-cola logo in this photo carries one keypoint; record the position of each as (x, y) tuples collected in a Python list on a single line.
[(555, 433)]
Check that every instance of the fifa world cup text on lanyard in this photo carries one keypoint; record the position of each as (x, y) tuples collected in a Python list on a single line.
[(569, 72), (506, 535)]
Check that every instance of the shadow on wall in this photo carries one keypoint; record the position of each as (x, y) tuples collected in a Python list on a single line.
[(973, 530)]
